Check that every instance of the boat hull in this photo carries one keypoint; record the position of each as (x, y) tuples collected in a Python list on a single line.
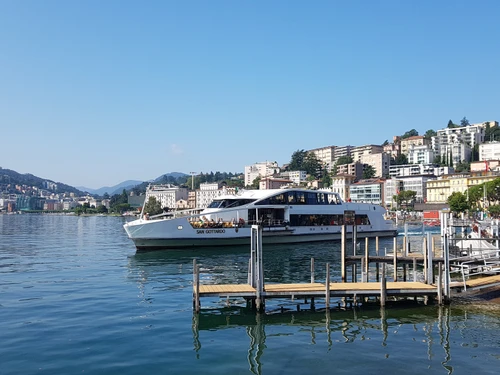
[(268, 238)]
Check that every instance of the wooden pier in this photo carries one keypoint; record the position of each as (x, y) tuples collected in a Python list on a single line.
[(256, 292), (433, 264)]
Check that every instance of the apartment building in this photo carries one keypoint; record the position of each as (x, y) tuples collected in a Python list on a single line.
[(440, 189), (415, 183), (406, 170), (417, 140), (359, 151), (262, 169), (326, 155), (489, 151), (167, 195), (459, 142), (420, 154), (354, 169), (380, 162), (367, 191), (295, 177)]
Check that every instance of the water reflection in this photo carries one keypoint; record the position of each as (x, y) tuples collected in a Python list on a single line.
[(336, 327)]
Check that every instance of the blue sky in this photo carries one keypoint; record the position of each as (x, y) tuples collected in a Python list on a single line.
[(93, 93)]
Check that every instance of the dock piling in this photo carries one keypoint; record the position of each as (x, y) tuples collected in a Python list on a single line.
[(327, 287)]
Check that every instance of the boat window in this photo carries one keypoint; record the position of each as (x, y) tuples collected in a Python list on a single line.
[(322, 220), (333, 199), (300, 197), (228, 203), (311, 198), (215, 204), (321, 198), (291, 197), (277, 199)]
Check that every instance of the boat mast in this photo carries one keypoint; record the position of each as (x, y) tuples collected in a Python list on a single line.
[(144, 204)]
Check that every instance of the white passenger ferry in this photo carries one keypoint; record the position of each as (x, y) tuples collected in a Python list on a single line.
[(286, 216)]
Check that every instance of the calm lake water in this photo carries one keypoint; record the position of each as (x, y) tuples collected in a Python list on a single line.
[(76, 298)]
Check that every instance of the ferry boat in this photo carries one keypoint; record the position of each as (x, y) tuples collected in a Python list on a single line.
[(286, 216)]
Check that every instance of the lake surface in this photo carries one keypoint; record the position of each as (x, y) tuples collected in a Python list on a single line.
[(76, 298)]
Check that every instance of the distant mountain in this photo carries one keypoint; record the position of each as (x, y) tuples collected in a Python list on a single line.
[(9, 179), (141, 185), (111, 190)]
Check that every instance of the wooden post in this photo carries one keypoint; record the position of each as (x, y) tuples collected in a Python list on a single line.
[(439, 284), (425, 251), (363, 274), (342, 255), (196, 294), (354, 240), (327, 287), (430, 262), (367, 260), (395, 243), (414, 269), (383, 287), (312, 270), (377, 265), (259, 274)]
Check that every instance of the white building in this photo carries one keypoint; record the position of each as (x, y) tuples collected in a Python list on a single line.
[(416, 183), (295, 176), (460, 141), (341, 184), (367, 191), (489, 151), (207, 193), (420, 154), (407, 170), (167, 195), (263, 169)]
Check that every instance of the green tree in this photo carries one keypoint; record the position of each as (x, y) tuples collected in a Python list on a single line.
[(458, 202), (430, 133), (452, 125), (256, 183), (494, 210), (464, 122), (311, 164), (405, 198), (386, 142), (297, 162), (409, 133), (326, 180), (462, 167), (401, 159), (102, 209), (153, 207), (368, 171)]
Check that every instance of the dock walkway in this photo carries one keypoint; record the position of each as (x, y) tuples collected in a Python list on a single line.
[(317, 290)]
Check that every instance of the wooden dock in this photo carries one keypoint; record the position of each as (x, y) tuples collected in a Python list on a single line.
[(310, 290), (436, 274)]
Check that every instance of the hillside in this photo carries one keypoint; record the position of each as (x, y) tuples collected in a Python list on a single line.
[(9, 179)]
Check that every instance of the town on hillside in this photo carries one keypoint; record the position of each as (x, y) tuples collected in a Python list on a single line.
[(442, 168)]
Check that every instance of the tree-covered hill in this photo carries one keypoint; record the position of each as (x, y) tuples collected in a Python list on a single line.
[(9, 179)]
